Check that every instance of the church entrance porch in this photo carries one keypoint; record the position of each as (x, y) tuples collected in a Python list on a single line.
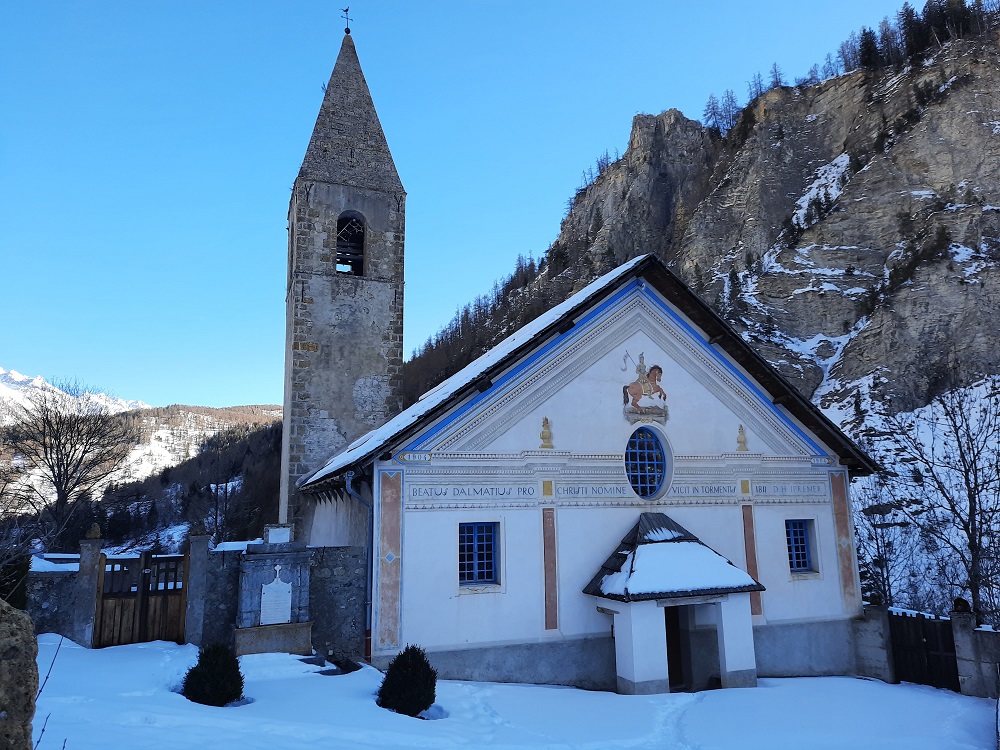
[(660, 565), (661, 646)]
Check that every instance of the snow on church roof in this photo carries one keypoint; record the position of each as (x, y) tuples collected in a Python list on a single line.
[(653, 271), (660, 559), (371, 443)]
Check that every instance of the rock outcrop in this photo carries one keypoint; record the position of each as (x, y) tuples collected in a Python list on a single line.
[(18, 678), (850, 229)]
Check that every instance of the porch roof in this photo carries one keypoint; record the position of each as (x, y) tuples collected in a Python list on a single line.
[(660, 559)]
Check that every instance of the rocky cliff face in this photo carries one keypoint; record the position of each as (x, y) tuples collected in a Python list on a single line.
[(850, 230)]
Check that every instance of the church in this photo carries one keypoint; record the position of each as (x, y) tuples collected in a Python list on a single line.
[(621, 495)]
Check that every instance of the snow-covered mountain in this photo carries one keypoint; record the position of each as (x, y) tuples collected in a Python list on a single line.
[(17, 388), (169, 434)]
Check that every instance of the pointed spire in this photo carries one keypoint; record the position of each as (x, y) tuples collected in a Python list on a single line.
[(348, 146)]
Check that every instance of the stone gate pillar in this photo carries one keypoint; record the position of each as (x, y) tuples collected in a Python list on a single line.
[(86, 592)]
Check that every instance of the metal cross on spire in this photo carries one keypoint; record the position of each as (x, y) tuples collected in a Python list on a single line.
[(347, 19)]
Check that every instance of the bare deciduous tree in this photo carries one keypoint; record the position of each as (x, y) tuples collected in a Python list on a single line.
[(886, 540), (946, 481), (65, 450)]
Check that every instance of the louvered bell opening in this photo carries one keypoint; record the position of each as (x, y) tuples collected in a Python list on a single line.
[(350, 246)]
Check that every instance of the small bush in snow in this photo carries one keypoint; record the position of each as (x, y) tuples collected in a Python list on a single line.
[(409, 683), (216, 679)]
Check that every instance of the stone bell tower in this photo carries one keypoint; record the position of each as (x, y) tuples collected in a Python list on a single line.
[(344, 296)]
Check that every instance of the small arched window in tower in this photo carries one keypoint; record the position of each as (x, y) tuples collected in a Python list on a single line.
[(351, 244)]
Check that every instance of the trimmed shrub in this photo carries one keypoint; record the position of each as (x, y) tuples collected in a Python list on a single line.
[(216, 679), (409, 683)]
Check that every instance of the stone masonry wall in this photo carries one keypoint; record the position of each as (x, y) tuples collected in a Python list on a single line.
[(337, 601), (52, 602), (221, 598)]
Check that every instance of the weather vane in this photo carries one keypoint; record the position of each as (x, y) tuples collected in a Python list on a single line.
[(347, 19)]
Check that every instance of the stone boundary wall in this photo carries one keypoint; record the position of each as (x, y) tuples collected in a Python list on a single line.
[(977, 651), (64, 602), (52, 601)]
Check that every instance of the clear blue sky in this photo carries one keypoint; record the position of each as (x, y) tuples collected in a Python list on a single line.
[(147, 149)]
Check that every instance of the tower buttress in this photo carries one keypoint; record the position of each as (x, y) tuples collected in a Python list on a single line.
[(344, 294)]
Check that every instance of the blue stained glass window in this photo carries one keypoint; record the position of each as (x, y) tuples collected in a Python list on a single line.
[(645, 462), (799, 555), (478, 555)]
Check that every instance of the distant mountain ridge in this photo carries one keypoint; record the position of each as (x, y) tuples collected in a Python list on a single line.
[(170, 434), (17, 388)]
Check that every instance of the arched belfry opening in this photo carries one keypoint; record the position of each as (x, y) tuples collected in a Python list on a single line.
[(351, 243)]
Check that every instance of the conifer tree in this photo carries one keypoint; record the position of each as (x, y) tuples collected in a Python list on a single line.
[(868, 57), (712, 114), (912, 31), (830, 67), (729, 111), (776, 80)]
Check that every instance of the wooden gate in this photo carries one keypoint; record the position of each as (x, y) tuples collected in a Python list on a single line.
[(923, 650), (140, 599)]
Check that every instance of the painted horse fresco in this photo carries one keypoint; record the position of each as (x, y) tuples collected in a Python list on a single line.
[(648, 386)]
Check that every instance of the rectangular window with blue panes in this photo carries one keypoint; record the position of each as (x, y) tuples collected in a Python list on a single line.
[(799, 537), (478, 553)]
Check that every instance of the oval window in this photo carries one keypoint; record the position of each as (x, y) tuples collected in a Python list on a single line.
[(646, 462)]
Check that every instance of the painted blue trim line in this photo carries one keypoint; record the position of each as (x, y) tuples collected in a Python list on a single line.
[(635, 287)]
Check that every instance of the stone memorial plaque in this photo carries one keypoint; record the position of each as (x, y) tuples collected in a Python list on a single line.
[(277, 534), (276, 600)]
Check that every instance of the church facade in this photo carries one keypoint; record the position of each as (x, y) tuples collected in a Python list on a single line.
[(621, 495)]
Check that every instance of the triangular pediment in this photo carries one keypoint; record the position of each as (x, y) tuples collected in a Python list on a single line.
[(597, 382)]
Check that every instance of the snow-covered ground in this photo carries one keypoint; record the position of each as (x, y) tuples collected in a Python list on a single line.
[(123, 698)]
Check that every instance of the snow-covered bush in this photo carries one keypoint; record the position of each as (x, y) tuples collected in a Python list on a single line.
[(216, 679), (409, 684)]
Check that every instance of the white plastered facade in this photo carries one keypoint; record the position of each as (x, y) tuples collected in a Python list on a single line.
[(741, 467)]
